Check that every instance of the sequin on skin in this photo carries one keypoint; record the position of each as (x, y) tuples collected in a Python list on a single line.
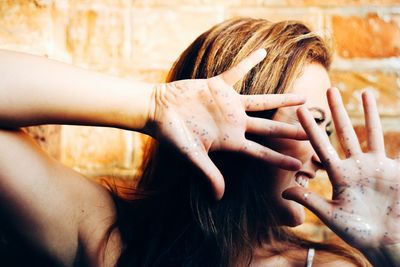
[(331, 150)]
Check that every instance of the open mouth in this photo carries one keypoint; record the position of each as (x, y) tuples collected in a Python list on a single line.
[(302, 180)]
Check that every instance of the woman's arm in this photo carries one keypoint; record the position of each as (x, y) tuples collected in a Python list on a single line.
[(47, 206), (365, 205), (195, 116), (35, 90)]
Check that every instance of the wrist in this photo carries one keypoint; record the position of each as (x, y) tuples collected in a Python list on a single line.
[(140, 107), (150, 122)]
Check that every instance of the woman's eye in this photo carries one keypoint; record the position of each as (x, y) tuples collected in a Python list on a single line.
[(329, 128), (319, 120)]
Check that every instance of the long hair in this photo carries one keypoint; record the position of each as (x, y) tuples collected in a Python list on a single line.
[(171, 218)]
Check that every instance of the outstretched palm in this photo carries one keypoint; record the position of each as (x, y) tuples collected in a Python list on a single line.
[(198, 116), (365, 206), (366, 200)]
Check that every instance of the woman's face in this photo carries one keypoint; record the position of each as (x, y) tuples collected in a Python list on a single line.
[(313, 83)]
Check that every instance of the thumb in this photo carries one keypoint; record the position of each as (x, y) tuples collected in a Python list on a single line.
[(201, 160), (312, 201)]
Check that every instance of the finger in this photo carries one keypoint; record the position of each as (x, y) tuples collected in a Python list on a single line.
[(270, 156), (204, 163), (319, 140), (237, 72), (344, 129), (270, 128), (373, 123), (312, 201), (271, 101)]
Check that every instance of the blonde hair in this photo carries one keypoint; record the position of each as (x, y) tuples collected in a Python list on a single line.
[(289, 45)]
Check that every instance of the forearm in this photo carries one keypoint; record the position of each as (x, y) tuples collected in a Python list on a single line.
[(36, 90)]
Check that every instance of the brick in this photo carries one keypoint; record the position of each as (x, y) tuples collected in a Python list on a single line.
[(370, 36), (310, 17), (25, 26), (94, 3), (152, 75), (145, 75), (391, 136), (160, 35), (48, 137), (97, 35), (97, 150), (157, 3), (325, 3), (385, 85)]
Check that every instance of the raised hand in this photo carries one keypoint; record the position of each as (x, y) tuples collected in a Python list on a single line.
[(365, 205), (203, 115)]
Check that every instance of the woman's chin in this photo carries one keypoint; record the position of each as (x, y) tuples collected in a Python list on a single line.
[(294, 216)]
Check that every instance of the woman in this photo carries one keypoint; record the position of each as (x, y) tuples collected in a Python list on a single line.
[(180, 224), (42, 210), (171, 217)]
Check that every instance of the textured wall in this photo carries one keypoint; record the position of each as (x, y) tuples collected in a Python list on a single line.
[(141, 39)]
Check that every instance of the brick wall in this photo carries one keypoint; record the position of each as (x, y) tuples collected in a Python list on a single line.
[(141, 38)]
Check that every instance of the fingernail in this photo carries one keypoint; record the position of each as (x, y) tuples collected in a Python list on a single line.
[(261, 53)]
